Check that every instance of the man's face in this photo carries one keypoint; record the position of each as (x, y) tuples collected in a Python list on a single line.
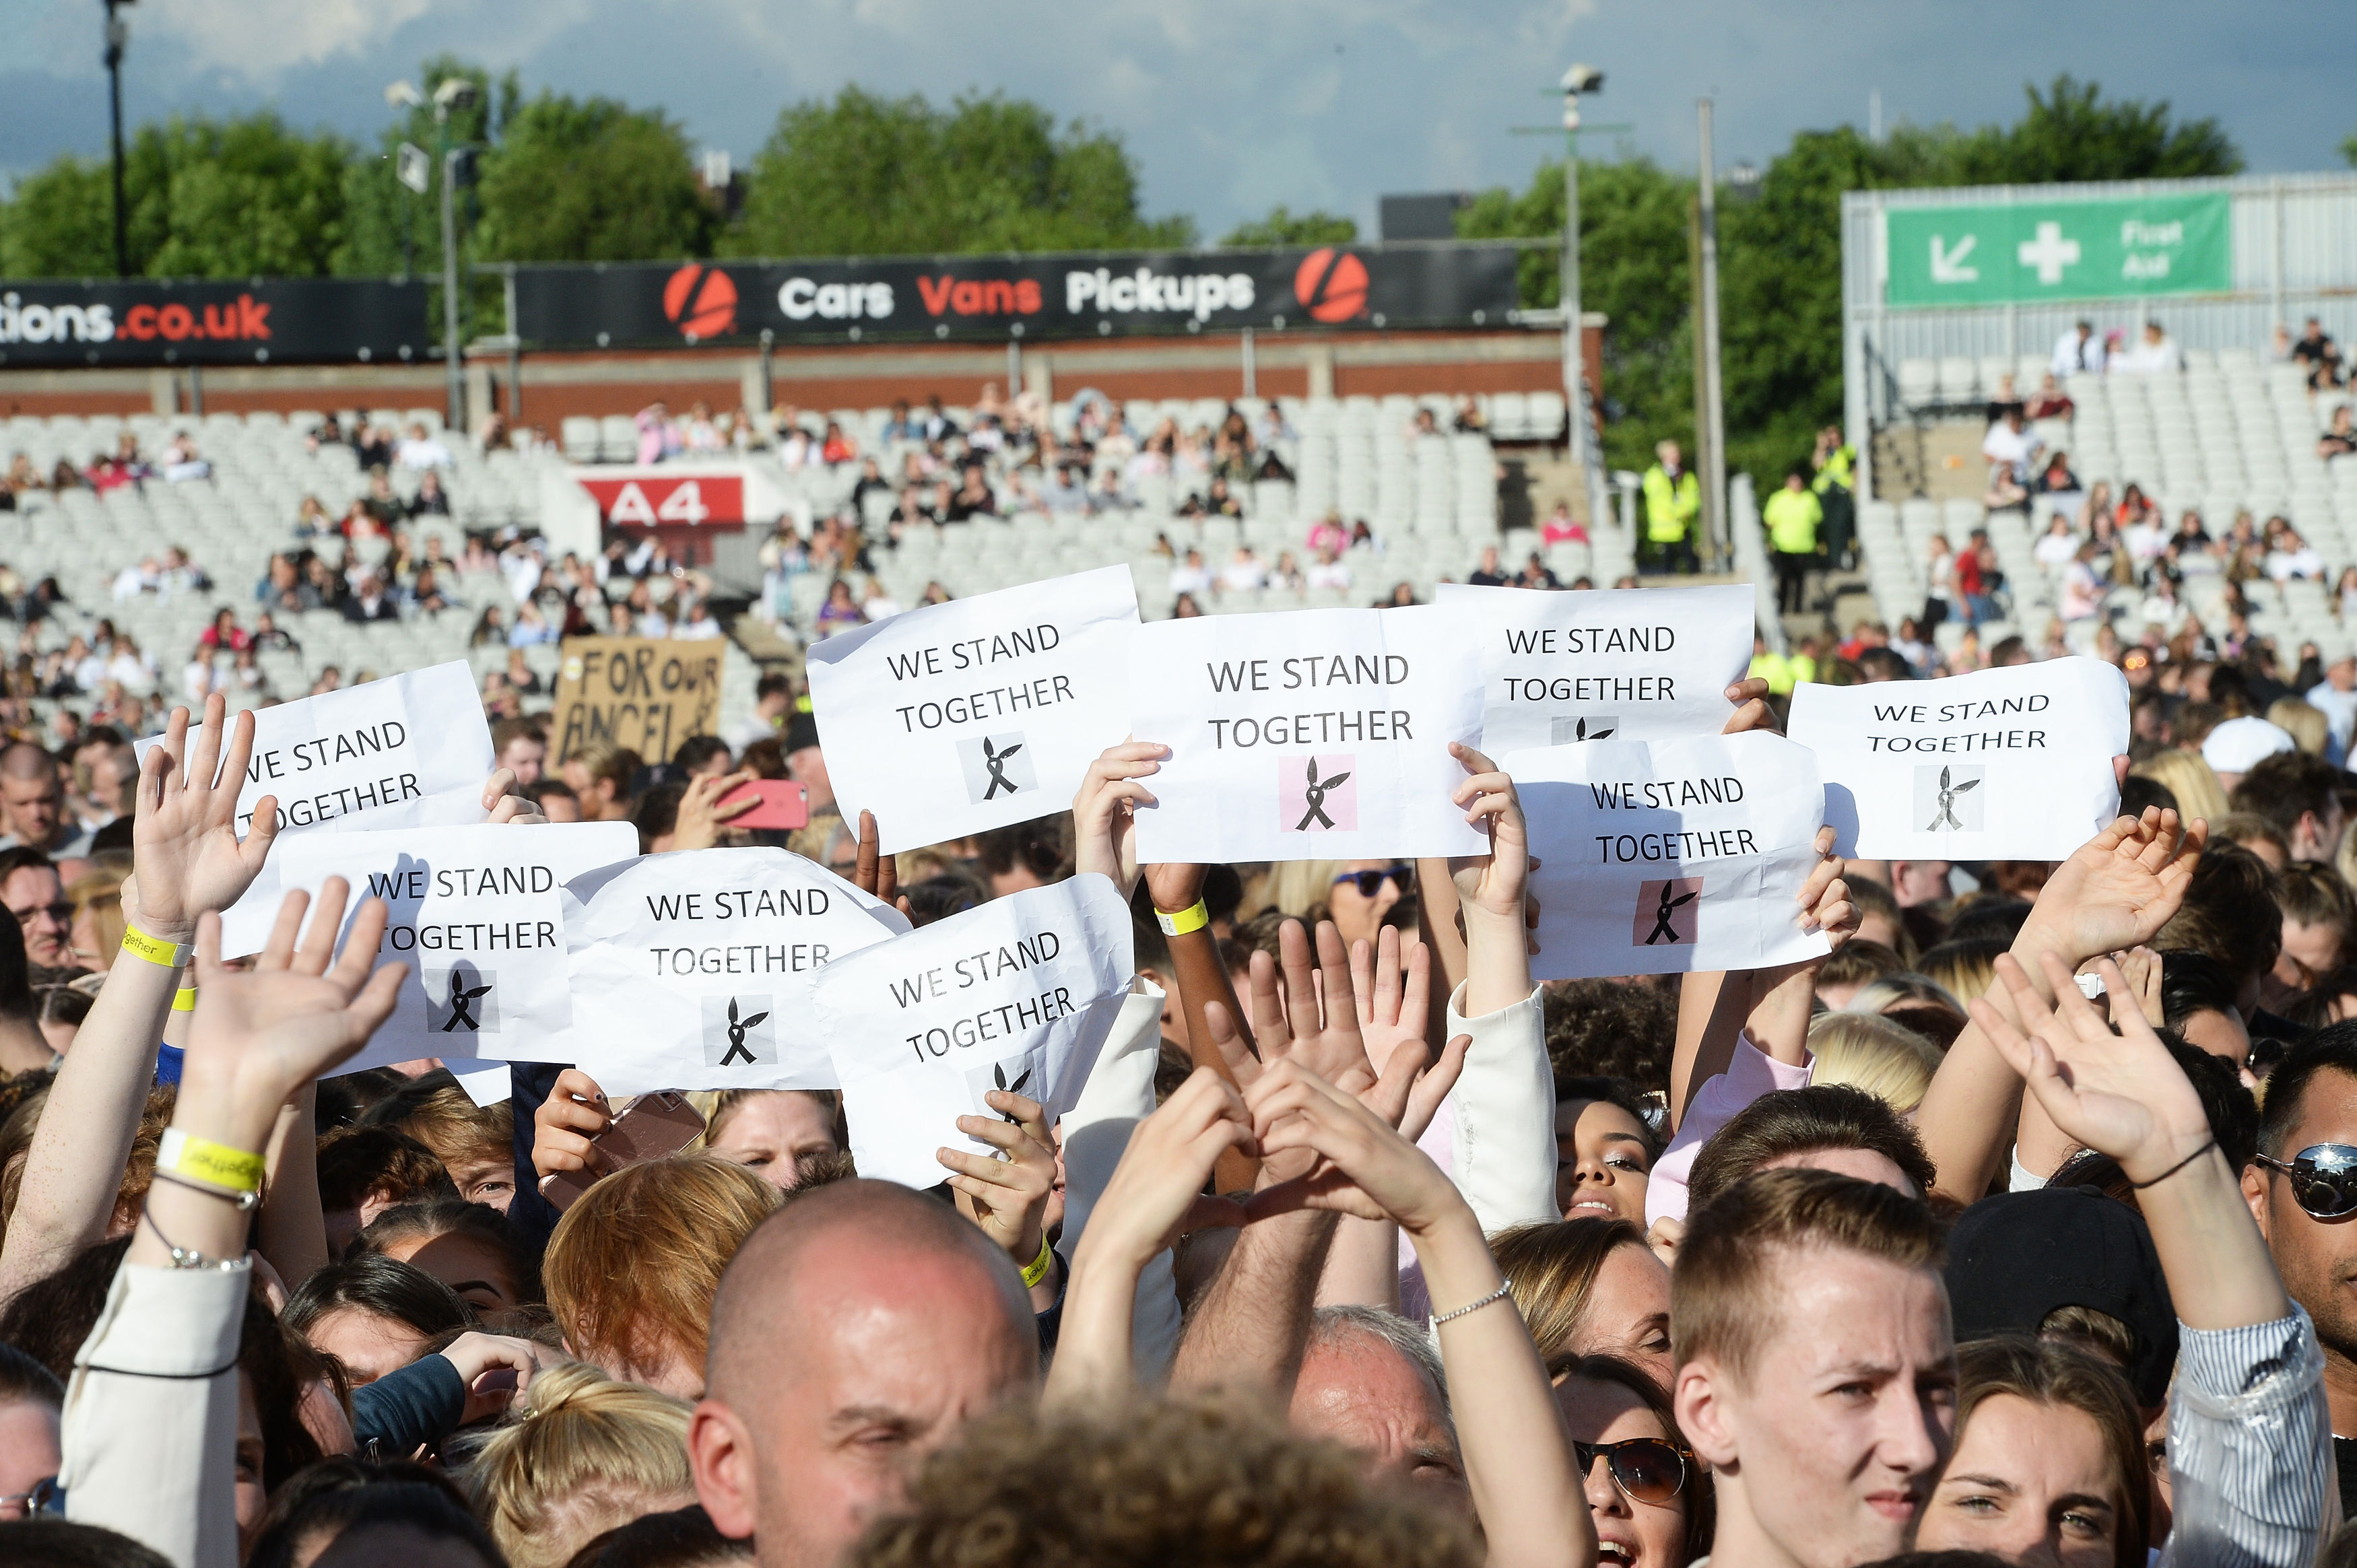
[(2316, 947), (38, 899), (2317, 1258), (528, 755), (1914, 882), (886, 1353), (1828, 1447), (1366, 1396), (807, 766), (32, 806)]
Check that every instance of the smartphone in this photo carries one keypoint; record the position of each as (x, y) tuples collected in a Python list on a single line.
[(784, 804), (646, 1128)]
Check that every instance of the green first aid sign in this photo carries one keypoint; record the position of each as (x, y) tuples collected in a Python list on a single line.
[(2032, 252)]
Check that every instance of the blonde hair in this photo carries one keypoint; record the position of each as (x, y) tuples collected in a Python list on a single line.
[(2305, 724), (1889, 1062), (101, 892), (1298, 886), (630, 1271), (1964, 969), (2186, 776), (582, 1452)]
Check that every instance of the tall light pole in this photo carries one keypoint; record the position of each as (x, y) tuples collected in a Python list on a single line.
[(1579, 78), (455, 92), (118, 38), (1714, 433)]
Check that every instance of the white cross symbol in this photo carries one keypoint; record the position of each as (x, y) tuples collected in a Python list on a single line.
[(2049, 252)]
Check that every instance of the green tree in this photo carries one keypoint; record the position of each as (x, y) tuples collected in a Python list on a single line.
[(389, 227), (594, 181), (1285, 227), (871, 176), (203, 198)]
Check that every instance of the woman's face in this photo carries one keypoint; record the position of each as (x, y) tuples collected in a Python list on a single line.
[(1634, 1534), (768, 1132), (1600, 1162), (252, 1492), (2027, 1482), (368, 1344), (1628, 1312), (1357, 916), (478, 1271)]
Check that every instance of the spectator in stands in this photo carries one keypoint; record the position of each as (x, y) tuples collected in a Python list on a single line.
[(900, 426), (2079, 350), (146, 578), (1245, 573), (2341, 439), (972, 498), (424, 595), (1562, 528), (840, 612), (2157, 352), (431, 499), (1185, 607), (1941, 603), (130, 666), (198, 679), (2050, 401), (835, 447), (937, 425), (2011, 451), (313, 519), (658, 436), (420, 450), (1487, 573), (2319, 354), (370, 602), (699, 432), (1326, 571), (2082, 585), (2056, 481), (2290, 556), (1192, 576), (1403, 594), (2058, 546), (182, 575), (180, 462), (382, 503), (1537, 575), (372, 445)]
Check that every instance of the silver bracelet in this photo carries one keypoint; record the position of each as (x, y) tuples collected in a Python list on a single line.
[(184, 1259), (1499, 1294)]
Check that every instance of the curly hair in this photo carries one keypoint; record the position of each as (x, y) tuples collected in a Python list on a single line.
[(1612, 1028), (1176, 1484)]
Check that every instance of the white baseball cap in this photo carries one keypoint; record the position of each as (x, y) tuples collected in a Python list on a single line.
[(2240, 744)]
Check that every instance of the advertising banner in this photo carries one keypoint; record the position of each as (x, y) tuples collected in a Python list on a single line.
[(1095, 294), (258, 321)]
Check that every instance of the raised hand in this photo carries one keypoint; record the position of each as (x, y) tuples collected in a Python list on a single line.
[(1359, 1164), (184, 842), (1007, 1198), (505, 805), (1307, 1011), (1105, 822), (876, 873), (566, 1128), (1491, 883), (1156, 1195), (1750, 698), (2118, 889), (2122, 1094)]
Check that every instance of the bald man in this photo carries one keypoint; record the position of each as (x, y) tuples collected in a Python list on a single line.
[(33, 802), (855, 1332)]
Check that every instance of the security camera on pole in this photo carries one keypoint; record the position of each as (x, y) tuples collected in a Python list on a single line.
[(454, 92)]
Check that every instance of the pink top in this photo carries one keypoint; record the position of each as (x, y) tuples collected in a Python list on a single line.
[(1750, 1075)]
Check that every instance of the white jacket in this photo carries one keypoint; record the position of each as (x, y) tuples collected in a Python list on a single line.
[(1117, 1097)]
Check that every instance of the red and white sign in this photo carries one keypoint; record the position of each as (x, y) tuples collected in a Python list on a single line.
[(651, 498)]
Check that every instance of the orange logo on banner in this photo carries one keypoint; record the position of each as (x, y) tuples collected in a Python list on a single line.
[(1330, 284), (701, 301)]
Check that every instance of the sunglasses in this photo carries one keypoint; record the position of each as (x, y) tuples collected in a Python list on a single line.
[(1648, 1469), (2323, 1178), (1371, 881)]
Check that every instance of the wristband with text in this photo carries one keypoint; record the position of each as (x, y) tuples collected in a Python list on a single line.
[(1040, 1266), (185, 999), (1193, 918), (216, 1164), (156, 950)]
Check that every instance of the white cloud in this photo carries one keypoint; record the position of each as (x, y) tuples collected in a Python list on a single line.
[(257, 39)]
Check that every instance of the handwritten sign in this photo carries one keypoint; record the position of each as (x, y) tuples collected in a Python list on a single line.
[(410, 751), (694, 970), (646, 694), (2011, 764), (1308, 734), (1611, 663), (1017, 995), (979, 714), (1657, 857), (478, 915)]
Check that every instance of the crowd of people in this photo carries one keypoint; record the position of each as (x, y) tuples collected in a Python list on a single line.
[(2008, 1230)]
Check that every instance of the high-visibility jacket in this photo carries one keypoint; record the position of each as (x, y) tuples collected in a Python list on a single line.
[(1804, 669), (1774, 668), (1839, 466), (1793, 517), (1671, 506)]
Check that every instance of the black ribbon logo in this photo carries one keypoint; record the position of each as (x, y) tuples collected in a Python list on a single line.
[(1603, 731), (737, 1046), (1946, 820), (1316, 796), (1664, 931), (996, 761), (998, 1077), (462, 1002)]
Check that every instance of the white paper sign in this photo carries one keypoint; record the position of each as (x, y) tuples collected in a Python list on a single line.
[(1018, 995), (694, 970), (1657, 857), (477, 914), (1307, 735), (2011, 764), (977, 714), (409, 751), (1604, 664)]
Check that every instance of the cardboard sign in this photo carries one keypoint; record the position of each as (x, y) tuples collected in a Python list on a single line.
[(1307, 735), (1017, 995), (694, 970), (1605, 664), (2012, 763), (643, 692), (477, 914), (1657, 857), (979, 714), (410, 751)]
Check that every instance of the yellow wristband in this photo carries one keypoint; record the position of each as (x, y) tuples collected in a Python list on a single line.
[(216, 1164), (1193, 918), (1040, 1266), (185, 999), (156, 950)]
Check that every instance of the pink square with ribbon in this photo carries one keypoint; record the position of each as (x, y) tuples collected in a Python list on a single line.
[(1317, 794)]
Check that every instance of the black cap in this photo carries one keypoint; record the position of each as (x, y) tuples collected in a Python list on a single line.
[(2014, 1257), (802, 731)]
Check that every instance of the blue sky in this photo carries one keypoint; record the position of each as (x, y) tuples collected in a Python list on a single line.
[(1229, 105)]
